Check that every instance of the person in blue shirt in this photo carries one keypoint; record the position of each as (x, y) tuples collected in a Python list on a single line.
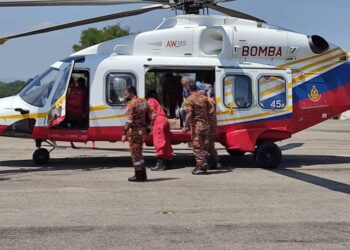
[(205, 88)]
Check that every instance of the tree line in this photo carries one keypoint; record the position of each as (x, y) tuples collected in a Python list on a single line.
[(12, 88)]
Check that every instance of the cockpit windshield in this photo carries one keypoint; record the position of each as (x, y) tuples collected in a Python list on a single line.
[(38, 91)]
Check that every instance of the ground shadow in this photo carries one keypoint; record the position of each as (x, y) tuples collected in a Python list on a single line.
[(222, 170), (315, 180), (297, 161), (85, 163), (161, 179), (291, 146), (181, 160)]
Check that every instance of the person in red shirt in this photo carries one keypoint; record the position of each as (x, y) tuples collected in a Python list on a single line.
[(161, 134), (76, 102)]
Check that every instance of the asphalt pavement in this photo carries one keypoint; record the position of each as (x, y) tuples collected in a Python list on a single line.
[(82, 199)]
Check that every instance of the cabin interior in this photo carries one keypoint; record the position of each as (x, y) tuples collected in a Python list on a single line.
[(73, 120), (167, 84)]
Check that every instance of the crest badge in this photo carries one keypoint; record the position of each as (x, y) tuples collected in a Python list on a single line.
[(314, 95)]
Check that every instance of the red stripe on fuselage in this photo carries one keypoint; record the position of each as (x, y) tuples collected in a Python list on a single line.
[(338, 101), (2, 128), (307, 113)]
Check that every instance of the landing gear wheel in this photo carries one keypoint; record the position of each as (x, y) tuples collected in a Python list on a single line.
[(267, 155), (235, 153), (41, 156)]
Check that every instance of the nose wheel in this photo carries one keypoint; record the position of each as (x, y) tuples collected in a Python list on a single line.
[(267, 155), (41, 156)]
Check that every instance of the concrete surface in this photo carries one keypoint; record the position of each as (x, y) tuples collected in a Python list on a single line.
[(82, 199)]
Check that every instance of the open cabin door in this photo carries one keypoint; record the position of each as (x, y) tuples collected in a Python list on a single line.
[(69, 114), (57, 113)]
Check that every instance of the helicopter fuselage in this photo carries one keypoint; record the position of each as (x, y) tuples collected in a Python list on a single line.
[(269, 83)]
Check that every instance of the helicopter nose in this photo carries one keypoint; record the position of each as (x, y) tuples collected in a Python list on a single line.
[(15, 119), (6, 110)]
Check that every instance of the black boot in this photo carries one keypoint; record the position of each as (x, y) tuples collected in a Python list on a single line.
[(160, 165), (143, 174), (169, 164), (213, 164), (140, 175)]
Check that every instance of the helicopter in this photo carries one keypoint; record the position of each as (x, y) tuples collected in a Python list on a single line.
[(269, 82)]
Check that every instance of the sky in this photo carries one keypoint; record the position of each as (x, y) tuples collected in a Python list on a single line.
[(24, 58)]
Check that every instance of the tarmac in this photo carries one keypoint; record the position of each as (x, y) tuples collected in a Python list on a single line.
[(82, 199)]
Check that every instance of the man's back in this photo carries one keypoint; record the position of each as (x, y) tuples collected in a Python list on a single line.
[(136, 111), (199, 106)]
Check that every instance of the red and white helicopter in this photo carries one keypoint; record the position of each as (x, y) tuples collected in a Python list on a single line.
[(269, 82)]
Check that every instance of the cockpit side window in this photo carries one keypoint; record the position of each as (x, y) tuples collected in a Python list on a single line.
[(38, 91), (116, 83)]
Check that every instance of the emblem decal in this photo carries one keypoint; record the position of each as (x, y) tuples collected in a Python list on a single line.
[(314, 95)]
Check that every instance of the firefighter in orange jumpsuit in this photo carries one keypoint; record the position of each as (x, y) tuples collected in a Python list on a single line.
[(135, 130), (161, 135), (197, 109)]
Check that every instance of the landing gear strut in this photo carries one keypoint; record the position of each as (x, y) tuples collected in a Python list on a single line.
[(267, 155)]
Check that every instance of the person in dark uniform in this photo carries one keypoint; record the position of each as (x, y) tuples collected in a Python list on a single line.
[(197, 109), (161, 134), (135, 130)]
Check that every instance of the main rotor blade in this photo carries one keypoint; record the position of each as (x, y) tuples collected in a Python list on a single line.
[(85, 21), (234, 13), (26, 3)]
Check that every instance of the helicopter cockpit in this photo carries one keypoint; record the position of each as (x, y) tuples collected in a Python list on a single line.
[(37, 92)]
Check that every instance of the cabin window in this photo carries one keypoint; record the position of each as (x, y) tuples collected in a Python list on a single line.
[(116, 83), (37, 92), (238, 91), (272, 92)]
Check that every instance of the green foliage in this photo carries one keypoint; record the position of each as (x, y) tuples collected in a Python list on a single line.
[(92, 36), (11, 88)]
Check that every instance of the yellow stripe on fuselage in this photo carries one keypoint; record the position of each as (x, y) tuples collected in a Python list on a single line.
[(307, 58), (254, 116), (228, 82), (314, 72), (228, 93), (108, 117), (322, 61), (98, 108), (272, 90), (27, 116), (225, 112), (269, 81)]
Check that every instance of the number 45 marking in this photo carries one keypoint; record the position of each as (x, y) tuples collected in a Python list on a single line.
[(277, 104)]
